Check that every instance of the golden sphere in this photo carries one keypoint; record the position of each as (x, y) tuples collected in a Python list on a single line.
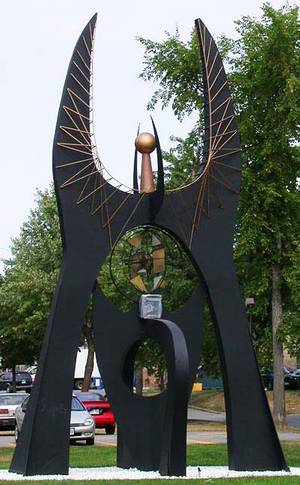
[(145, 143)]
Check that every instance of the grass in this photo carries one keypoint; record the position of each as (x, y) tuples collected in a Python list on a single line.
[(221, 481), (292, 401), (206, 427), (216, 454), (213, 399)]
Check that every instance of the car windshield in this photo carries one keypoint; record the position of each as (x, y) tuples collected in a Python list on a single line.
[(76, 405), (19, 375), (89, 396), (6, 375), (12, 399)]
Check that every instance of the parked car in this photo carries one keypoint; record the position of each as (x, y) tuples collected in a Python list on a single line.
[(32, 371), (82, 426), (99, 408), (291, 378), (8, 404), (267, 379), (23, 381)]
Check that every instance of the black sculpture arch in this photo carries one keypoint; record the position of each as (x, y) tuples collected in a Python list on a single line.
[(94, 214)]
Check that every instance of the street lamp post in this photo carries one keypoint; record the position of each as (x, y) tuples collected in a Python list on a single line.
[(249, 302)]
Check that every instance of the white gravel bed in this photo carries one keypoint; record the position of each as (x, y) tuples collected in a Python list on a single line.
[(115, 473)]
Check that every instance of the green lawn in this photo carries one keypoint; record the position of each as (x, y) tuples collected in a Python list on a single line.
[(213, 399), (235, 481), (216, 454)]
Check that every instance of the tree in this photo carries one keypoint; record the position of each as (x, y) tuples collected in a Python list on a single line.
[(30, 277), (265, 72), (264, 77), (28, 284), (179, 282)]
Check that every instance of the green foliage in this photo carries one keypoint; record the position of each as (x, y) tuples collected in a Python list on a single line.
[(290, 330), (30, 278), (175, 67), (210, 359), (265, 68), (180, 281), (180, 278), (264, 75), (183, 160), (28, 283), (151, 357)]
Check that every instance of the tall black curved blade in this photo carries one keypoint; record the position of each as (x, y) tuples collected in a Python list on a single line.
[(135, 173), (43, 445), (216, 188), (157, 197), (83, 185), (221, 138), (160, 185), (72, 147)]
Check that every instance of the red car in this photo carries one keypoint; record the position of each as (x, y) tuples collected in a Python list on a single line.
[(100, 410)]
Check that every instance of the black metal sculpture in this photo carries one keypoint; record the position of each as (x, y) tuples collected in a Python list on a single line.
[(94, 214)]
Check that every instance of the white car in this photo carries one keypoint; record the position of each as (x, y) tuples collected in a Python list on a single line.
[(9, 401), (32, 371), (82, 426)]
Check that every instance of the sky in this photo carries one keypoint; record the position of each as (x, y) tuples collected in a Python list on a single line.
[(37, 38)]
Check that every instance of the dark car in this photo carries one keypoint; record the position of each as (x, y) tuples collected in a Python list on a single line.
[(291, 378), (100, 410), (267, 379), (23, 381)]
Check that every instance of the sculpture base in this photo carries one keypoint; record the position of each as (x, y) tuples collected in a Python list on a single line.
[(115, 473)]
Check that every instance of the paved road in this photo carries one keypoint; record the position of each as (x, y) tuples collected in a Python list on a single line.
[(7, 437), (202, 415), (293, 420), (208, 437)]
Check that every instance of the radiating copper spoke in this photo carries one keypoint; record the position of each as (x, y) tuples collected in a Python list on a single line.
[(75, 162), (224, 181), (86, 46), (99, 187), (117, 209), (72, 179), (229, 166), (80, 84), (106, 200), (141, 197), (83, 61)]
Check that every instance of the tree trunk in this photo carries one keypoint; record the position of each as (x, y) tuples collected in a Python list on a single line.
[(278, 382), (161, 382), (163, 379), (89, 366), (139, 381), (14, 384)]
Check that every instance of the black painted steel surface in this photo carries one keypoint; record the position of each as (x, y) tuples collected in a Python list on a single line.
[(94, 214), (151, 430)]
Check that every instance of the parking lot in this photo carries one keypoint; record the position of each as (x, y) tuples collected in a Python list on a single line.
[(193, 437)]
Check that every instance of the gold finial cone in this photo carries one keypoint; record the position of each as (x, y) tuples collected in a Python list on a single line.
[(147, 182)]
